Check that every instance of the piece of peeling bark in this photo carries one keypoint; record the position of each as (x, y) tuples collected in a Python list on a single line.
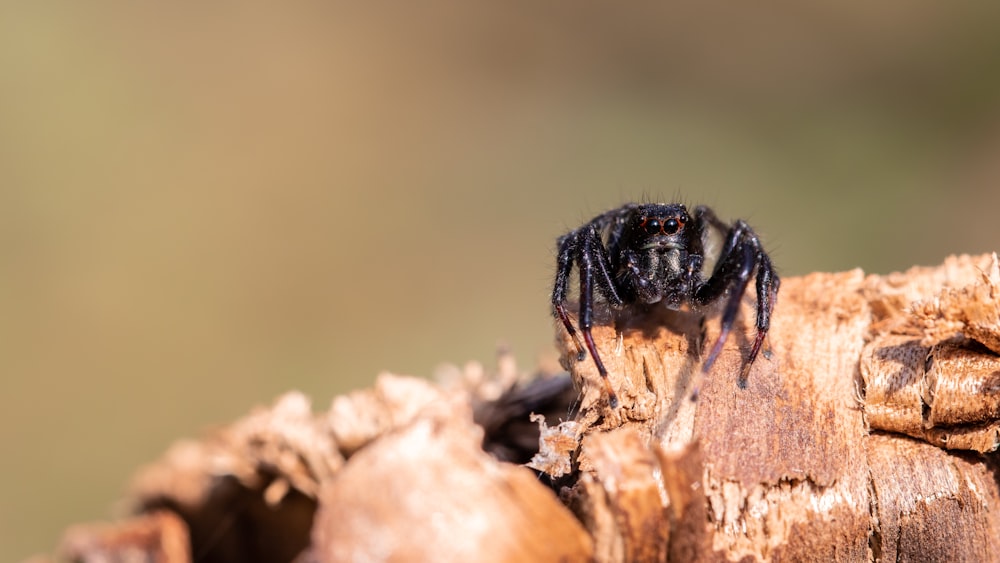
[(359, 417), (248, 491), (894, 295), (628, 519), (157, 536), (931, 369), (430, 493), (787, 468), (972, 309)]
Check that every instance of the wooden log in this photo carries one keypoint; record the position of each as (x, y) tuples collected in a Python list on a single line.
[(866, 430)]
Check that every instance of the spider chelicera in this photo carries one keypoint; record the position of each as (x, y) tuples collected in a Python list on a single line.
[(652, 253)]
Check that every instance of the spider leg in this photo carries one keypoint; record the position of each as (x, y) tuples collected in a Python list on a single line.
[(767, 294), (597, 255), (705, 214), (738, 269), (614, 221), (741, 254), (593, 256), (564, 265)]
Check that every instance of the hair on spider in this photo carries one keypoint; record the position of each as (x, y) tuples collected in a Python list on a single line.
[(648, 253)]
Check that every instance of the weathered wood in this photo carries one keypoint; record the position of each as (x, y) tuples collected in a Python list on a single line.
[(783, 463), (867, 430), (428, 492)]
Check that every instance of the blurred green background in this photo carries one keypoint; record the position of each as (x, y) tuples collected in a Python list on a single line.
[(203, 205)]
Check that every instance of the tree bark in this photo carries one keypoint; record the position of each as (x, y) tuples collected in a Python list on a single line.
[(866, 430)]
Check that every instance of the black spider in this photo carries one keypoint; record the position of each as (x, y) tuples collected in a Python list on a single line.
[(650, 253)]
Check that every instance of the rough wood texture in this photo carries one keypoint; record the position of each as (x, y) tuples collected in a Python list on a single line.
[(932, 370), (867, 430)]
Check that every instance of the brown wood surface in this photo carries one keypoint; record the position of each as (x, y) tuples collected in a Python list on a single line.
[(867, 430)]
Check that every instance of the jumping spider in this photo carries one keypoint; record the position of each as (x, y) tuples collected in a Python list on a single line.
[(651, 253)]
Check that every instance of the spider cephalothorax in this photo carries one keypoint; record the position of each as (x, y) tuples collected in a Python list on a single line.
[(654, 253)]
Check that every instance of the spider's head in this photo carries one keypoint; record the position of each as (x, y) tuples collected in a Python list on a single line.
[(656, 254), (660, 227)]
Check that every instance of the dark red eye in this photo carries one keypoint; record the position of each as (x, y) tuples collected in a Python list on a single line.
[(671, 226), (651, 225)]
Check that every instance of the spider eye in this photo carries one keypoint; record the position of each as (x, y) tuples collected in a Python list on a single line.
[(671, 226), (651, 225)]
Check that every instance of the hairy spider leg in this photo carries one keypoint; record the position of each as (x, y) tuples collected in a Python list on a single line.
[(706, 215), (615, 224), (767, 296), (741, 253), (564, 265), (595, 251), (732, 306), (591, 249)]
